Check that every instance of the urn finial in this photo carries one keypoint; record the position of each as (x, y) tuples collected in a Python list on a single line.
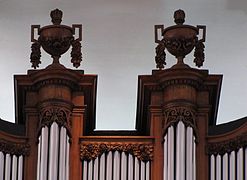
[(56, 16), (179, 40), (56, 39)]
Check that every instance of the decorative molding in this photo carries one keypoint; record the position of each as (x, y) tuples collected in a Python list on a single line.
[(90, 151), (173, 115), (57, 81), (227, 146), (14, 148), (194, 83), (197, 84)]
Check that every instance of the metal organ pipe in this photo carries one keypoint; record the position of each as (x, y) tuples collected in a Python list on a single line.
[(218, 167), (116, 165), (1, 165), (124, 166), (130, 165), (11, 166), (67, 158), (229, 166), (14, 167), (102, 167), (179, 153), (20, 168), (170, 166), (165, 165), (38, 160), (109, 166), (245, 163), (96, 168), (90, 170), (189, 153), (62, 153), (137, 168), (44, 153), (194, 158), (232, 166), (148, 170), (212, 170), (53, 153), (225, 167), (240, 164), (7, 166)]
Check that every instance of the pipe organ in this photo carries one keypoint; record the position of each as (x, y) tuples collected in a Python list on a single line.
[(176, 136)]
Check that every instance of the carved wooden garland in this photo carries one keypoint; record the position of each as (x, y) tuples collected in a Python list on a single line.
[(227, 146), (173, 115), (91, 151), (14, 148), (55, 114)]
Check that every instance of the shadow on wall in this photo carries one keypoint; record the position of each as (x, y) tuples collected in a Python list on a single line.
[(237, 5)]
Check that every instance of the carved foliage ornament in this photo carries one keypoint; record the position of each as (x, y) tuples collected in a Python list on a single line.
[(173, 115), (14, 148), (91, 151), (176, 114), (55, 114), (160, 57), (227, 146)]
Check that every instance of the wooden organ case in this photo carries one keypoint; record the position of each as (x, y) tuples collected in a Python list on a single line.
[(176, 136)]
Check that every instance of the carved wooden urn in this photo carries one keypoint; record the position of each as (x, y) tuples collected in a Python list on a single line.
[(56, 39), (179, 40)]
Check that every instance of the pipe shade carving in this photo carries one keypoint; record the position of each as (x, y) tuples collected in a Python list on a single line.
[(227, 146), (14, 148), (60, 115), (173, 115), (91, 151)]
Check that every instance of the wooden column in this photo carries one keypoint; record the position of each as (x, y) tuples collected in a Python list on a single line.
[(30, 168), (156, 131), (77, 130)]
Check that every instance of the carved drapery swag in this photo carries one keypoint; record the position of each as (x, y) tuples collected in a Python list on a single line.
[(91, 151), (14, 148), (173, 115), (59, 115), (227, 146)]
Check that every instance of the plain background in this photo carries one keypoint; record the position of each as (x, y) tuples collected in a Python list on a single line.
[(118, 45)]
